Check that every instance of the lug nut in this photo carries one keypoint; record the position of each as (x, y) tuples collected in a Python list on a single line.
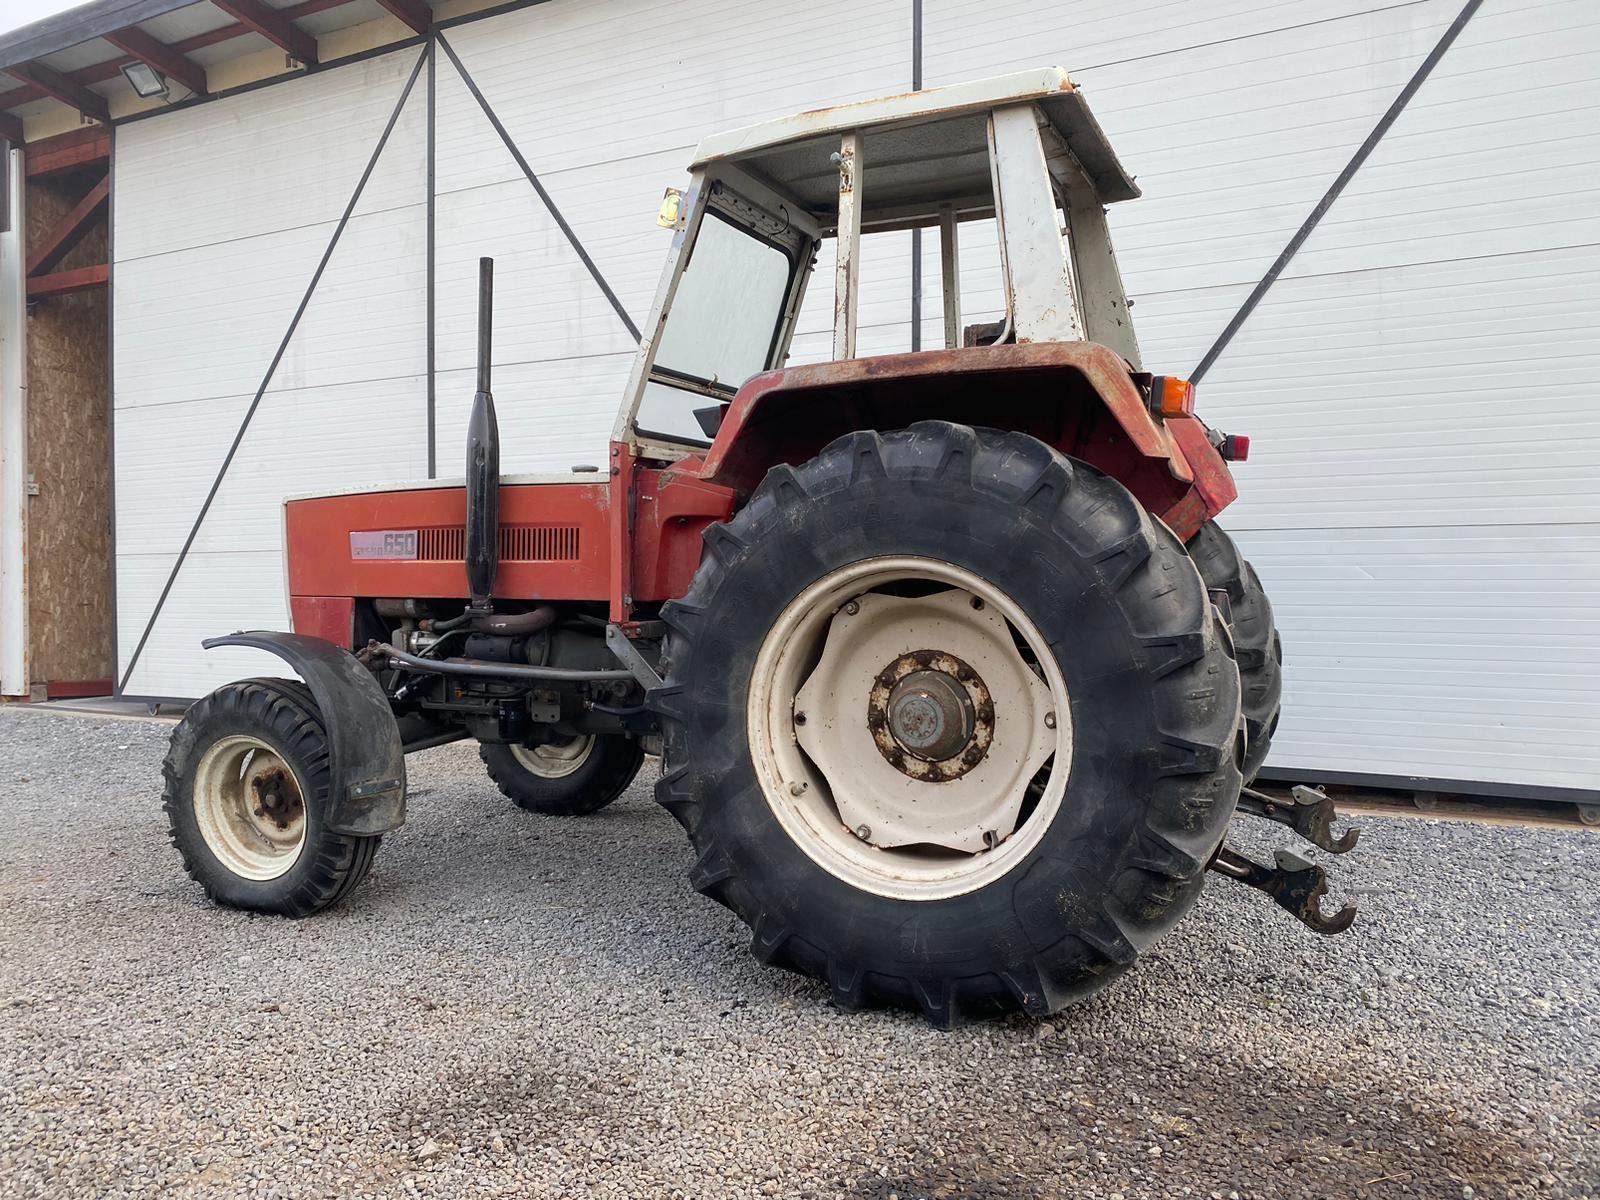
[(1049, 720), (797, 789), (852, 608), (864, 832)]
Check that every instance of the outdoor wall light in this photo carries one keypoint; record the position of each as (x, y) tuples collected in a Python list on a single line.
[(145, 80)]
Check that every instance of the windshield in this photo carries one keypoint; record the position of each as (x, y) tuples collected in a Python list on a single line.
[(720, 330)]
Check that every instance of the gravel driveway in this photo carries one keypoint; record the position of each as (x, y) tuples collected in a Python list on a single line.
[(514, 1005)]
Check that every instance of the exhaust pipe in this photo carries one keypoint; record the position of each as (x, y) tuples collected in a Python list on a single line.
[(483, 462)]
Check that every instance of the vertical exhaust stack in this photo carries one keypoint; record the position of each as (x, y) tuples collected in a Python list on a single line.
[(483, 461)]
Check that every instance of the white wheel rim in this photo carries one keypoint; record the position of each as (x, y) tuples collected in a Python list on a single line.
[(830, 779), (552, 761), (250, 806)]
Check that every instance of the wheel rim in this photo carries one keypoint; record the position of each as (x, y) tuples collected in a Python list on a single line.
[(910, 728), (555, 760), (250, 807)]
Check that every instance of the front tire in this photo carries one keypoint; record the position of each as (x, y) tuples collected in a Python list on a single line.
[(247, 784), (565, 779), (1011, 902)]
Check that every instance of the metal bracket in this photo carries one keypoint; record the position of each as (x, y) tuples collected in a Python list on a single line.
[(1311, 814), (1297, 885), (628, 655)]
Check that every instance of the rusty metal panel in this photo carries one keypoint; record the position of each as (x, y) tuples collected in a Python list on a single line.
[(847, 268), (1038, 280)]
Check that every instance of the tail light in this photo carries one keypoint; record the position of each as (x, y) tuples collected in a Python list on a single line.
[(1235, 447), (1171, 396)]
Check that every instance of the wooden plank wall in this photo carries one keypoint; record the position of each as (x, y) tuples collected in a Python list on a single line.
[(70, 587)]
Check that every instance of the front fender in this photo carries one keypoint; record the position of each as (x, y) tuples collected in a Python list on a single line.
[(365, 757)]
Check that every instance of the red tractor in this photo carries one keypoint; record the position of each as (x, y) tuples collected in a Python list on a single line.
[(955, 681)]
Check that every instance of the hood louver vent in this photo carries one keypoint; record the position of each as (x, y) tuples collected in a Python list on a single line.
[(518, 543)]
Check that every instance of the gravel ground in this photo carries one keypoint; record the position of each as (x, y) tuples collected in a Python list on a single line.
[(528, 1006)]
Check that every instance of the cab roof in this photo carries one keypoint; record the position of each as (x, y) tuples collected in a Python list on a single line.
[(919, 148)]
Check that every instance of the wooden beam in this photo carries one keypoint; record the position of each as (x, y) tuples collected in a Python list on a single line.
[(64, 283), (272, 25), (11, 129), (69, 231), (63, 88), (160, 57), (69, 151), (415, 13)]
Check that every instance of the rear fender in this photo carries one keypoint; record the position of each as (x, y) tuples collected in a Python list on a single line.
[(365, 758), (1078, 397)]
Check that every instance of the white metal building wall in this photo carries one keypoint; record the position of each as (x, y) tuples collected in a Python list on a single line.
[(222, 213), (1413, 382)]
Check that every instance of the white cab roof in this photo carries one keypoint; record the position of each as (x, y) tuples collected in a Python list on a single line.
[(917, 146)]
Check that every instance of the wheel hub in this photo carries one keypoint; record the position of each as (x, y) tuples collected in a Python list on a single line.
[(922, 724), (276, 799), (250, 807), (930, 715)]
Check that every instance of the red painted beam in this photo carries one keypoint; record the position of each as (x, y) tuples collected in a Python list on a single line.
[(76, 689), (69, 231), (69, 151), (64, 283), (64, 88), (161, 57), (272, 25), (415, 13)]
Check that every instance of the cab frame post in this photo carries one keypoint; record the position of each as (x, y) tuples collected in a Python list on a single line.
[(847, 271)]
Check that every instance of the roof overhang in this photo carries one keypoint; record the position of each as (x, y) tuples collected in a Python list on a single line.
[(78, 25), (68, 68)]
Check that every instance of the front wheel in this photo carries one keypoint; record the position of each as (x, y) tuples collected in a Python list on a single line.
[(569, 778), (247, 784), (950, 722)]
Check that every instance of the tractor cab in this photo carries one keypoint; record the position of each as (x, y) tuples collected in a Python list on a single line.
[(1022, 149)]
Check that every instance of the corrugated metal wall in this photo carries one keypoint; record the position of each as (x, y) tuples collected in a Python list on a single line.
[(1414, 382)]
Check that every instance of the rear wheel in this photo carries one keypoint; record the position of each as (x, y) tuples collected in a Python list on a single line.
[(950, 723), (569, 778), (247, 783), (1255, 638)]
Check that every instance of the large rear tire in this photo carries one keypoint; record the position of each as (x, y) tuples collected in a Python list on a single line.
[(1255, 638), (565, 779), (247, 784), (1112, 754)]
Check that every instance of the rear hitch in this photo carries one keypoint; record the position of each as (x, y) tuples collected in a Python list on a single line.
[(1310, 814), (1297, 885)]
